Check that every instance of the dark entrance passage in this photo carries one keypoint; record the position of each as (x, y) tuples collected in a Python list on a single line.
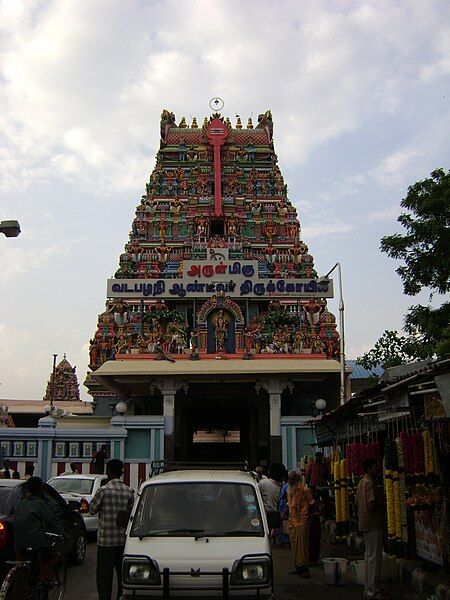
[(222, 422)]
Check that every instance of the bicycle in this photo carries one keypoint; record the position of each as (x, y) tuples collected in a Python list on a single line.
[(22, 583)]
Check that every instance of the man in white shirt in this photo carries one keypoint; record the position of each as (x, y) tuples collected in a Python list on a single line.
[(270, 487)]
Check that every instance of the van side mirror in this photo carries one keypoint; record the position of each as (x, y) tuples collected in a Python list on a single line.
[(122, 518), (273, 520)]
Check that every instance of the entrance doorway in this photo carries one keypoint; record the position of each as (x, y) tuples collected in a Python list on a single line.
[(221, 422)]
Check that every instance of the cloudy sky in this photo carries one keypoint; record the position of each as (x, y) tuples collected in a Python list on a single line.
[(360, 96)]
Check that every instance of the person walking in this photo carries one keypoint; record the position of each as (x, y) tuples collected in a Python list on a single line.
[(98, 460), (270, 491), (370, 522), (107, 502), (299, 502)]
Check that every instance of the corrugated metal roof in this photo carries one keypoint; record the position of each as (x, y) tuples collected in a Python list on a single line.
[(359, 372)]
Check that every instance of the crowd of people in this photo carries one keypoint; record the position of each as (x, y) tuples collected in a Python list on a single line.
[(7, 472), (302, 499), (297, 497)]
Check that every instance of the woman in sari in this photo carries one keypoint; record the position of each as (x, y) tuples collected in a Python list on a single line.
[(299, 501)]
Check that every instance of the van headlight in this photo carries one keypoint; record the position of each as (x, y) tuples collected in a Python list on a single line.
[(251, 571), (140, 571)]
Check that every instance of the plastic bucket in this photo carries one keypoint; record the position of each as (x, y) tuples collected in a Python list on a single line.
[(335, 570), (358, 570)]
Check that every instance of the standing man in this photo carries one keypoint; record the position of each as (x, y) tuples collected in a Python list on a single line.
[(270, 488), (107, 502), (98, 460), (370, 522), (260, 473)]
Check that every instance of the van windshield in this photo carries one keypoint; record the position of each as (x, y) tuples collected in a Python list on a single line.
[(198, 509)]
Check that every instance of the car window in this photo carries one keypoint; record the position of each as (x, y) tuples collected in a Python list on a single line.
[(72, 485), (4, 495), (209, 508)]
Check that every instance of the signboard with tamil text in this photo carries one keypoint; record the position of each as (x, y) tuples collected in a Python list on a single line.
[(217, 274)]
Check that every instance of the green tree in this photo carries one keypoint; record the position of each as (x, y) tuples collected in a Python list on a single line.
[(425, 250), (391, 350)]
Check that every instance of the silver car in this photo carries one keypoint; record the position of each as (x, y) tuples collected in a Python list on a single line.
[(82, 488)]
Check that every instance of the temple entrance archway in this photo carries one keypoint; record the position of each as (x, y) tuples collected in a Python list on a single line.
[(221, 422)]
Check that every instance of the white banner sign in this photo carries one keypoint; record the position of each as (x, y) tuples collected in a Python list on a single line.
[(235, 287)]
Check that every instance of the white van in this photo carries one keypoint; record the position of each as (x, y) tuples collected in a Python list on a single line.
[(198, 533)]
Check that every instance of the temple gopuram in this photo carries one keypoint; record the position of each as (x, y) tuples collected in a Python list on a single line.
[(63, 384), (216, 320)]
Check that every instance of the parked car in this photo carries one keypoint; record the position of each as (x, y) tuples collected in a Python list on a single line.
[(73, 547), (83, 489), (198, 532)]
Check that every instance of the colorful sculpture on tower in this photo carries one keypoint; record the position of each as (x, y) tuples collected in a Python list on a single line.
[(64, 385), (215, 262)]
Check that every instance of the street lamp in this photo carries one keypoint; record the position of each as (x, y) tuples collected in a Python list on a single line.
[(341, 327), (10, 228)]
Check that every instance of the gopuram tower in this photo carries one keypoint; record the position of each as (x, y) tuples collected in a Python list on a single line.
[(63, 384), (216, 322)]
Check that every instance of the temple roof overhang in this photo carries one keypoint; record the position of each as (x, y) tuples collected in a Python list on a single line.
[(214, 368)]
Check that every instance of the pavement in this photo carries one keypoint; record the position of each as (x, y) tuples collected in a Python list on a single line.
[(81, 580)]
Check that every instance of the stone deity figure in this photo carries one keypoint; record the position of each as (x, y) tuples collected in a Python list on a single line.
[(194, 339), (312, 310), (175, 209), (201, 226), (142, 344), (93, 352), (120, 311), (121, 345), (249, 340), (221, 331), (163, 252)]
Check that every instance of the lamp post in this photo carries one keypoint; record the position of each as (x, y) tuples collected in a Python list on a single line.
[(52, 392), (341, 327), (10, 228)]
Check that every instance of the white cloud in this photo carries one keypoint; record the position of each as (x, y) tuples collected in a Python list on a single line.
[(84, 82), (391, 170), (357, 94)]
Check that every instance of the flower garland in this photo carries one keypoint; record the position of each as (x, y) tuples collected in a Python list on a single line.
[(356, 454), (344, 492), (392, 489), (337, 486), (401, 526), (430, 454)]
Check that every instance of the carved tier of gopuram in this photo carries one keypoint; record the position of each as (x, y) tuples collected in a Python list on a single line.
[(216, 319)]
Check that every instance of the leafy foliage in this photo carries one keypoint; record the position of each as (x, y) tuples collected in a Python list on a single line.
[(392, 350), (275, 318), (425, 250), (425, 246)]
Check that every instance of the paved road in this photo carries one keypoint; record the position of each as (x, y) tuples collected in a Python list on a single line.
[(81, 582)]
